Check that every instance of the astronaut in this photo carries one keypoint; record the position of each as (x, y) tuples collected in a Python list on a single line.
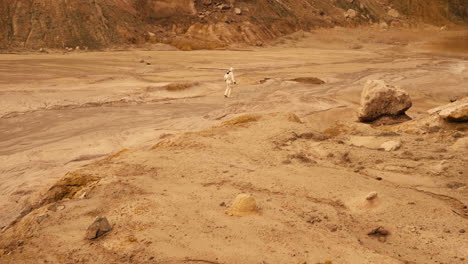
[(229, 79)]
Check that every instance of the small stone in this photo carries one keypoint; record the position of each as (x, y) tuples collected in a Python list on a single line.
[(148, 63), (60, 207), (351, 13), (244, 204), (224, 7), (379, 231), (222, 204), (2, 252), (41, 218), (77, 48), (371, 196), (142, 61), (383, 25), (393, 13), (378, 178), (238, 11), (391, 145), (462, 231), (98, 228)]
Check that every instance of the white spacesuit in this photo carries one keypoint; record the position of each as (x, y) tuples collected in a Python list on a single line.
[(229, 79)]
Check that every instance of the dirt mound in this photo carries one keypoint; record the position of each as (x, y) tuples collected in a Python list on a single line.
[(196, 24)]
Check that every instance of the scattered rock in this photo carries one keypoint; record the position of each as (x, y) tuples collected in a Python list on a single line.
[(224, 7), (41, 218), (453, 99), (148, 63), (222, 204), (351, 13), (60, 207), (393, 13), (244, 204), (391, 145), (314, 219), (371, 196), (379, 99), (98, 228), (380, 232), (462, 231), (77, 48), (142, 61), (207, 2), (378, 178), (383, 25), (238, 11)]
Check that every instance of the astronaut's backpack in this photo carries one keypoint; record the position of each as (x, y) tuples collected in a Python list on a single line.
[(226, 76)]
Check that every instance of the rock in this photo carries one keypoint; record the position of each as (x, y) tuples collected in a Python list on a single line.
[(224, 7), (462, 231), (391, 145), (244, 204), (41, 218), (380, 99), (379, 231), (393, 13), (457, 113), (207, 2), (77, 48), (371, 196), (98, 228), (238, 11), (142, 61), (351, 13), (453, 99), (383, 25)]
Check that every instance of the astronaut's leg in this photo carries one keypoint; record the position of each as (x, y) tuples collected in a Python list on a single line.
[(227, 93), (230, 90)]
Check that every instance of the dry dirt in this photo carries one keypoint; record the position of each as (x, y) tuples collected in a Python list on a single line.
[(145, 139)]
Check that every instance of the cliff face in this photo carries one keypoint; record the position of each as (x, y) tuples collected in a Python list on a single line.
[(197, 23)]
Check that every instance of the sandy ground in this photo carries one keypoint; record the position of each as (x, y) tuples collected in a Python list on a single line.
[(66, 112)]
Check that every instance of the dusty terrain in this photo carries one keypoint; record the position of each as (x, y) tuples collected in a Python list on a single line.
[(146, 139)]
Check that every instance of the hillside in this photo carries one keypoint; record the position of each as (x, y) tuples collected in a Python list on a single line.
[(195, 24)]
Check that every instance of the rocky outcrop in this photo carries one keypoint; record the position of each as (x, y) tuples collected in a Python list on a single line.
[(63, 24), (379, 99)]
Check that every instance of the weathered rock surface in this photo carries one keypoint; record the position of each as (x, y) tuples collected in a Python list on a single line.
[(380, 99)]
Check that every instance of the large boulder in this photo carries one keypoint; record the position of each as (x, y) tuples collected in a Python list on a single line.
[(380, 99), (454, 112)]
